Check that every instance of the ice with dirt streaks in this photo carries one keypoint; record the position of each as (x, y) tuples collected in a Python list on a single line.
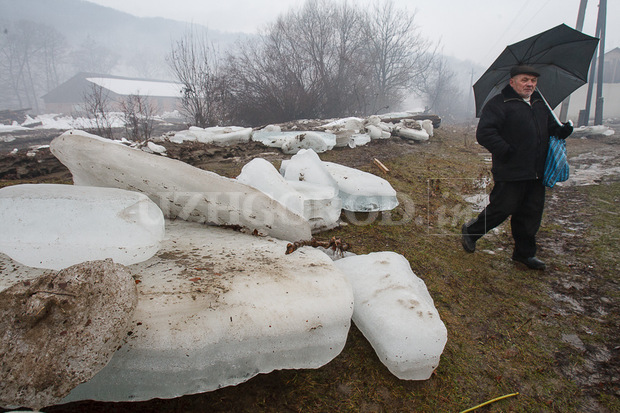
[(56, 226), (396, 314), (216, 308)]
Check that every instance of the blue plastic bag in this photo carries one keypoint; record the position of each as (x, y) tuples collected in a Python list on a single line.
[(556, 165)]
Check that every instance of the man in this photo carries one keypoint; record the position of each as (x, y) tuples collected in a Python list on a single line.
[(515, 126)]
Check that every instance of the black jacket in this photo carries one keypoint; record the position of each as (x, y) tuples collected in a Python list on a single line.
[(517, 135)]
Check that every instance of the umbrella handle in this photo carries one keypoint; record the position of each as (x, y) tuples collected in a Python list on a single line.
[(549, 107)]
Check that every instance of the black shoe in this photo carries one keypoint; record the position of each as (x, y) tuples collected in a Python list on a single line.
[(469, 245), (531, 262)]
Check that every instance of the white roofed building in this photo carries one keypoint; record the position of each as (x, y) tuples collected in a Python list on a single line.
[(68, 98)]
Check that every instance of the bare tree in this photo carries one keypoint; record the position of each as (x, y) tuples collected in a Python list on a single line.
[(138, 114), (195, 64), (31, 56), (441, 93), (308, 63), (97, 105), (327, 59), (400, 55)]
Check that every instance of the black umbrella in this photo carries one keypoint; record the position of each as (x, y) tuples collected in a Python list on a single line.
[(561, 55)]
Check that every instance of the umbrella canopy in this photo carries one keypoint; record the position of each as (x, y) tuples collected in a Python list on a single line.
[(561, 55)]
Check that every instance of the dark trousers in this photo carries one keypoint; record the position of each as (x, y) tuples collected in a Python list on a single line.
[(524, 201)]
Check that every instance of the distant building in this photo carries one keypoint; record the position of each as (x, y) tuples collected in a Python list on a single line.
[(611, 69), (68, 98), (611, 91)]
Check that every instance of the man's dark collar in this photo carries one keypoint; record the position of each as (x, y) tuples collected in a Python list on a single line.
[(510, 93)]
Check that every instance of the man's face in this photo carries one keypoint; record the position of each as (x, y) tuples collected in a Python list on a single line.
[(524, 85)]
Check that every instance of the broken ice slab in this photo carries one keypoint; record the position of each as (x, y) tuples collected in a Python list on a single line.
[(180, 190), (293, 141), (55, 226), (318, 204), (362, 191), (219, 135), (217, 307), (396, 314)]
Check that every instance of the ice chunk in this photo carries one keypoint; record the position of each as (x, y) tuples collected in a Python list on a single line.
[(319, 205), (216, 307), (359, 139), (395, 312), (362, 191), (262, 175), (307, 140), (55, 226), (427, 126), (375, 132), (179, 189), (59, 329), (307, 166), (292, 141), (350, 123), (410, 133), (156, 148), (322, 205), (219, 135)]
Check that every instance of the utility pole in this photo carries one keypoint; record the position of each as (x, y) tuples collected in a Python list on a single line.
[(598, 112), (584, 115), (579, 26)]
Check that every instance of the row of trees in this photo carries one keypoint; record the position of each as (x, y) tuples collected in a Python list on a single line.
[(35, 58), (327, 59)]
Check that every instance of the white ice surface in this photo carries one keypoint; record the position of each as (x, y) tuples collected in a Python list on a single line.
[(307, 166), (179, 189), (292, 140), (362, 191), (219, 135), (216, 308), (318, 204), (396, 314), (55, 226), (322, 205), (412, 134)]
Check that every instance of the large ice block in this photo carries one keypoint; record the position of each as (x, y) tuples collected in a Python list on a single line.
[(216, 307), (362, 191), (395, 312), (180, 190), (55, 226)]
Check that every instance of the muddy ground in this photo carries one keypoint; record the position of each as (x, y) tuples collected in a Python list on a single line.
[(551, 336)]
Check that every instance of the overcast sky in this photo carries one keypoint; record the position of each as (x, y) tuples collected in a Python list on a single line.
[(468, 29)]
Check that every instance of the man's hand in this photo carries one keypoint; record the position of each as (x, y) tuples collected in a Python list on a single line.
[(566, 129)]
